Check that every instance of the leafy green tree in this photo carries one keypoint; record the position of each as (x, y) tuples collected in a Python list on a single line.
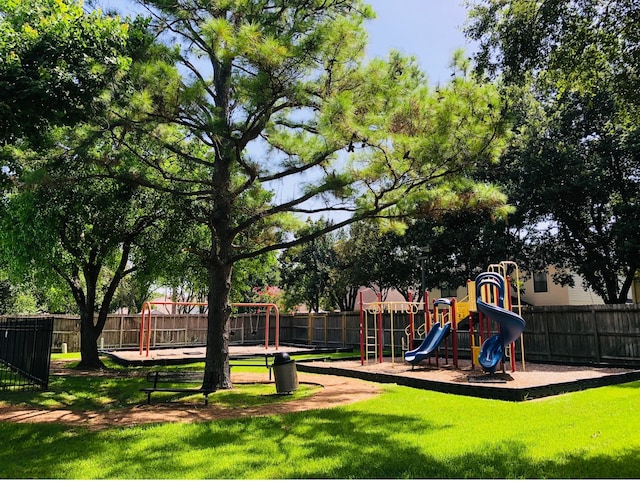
[(454, 247), (64, 218), (132, 292), (562, 46), (90, 233), (24, 297), (343, 286), (275, 93), (254, 279), (186, 276), (305, 270), (56, 59), (580, 194), (375, 254), (574, 164), (463, 244), (7, 297)]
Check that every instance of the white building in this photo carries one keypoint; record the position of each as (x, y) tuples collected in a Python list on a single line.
[(540, 290)]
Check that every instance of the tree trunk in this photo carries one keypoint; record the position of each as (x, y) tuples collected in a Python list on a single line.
[(217, 373), (89, 343), (626, 285)]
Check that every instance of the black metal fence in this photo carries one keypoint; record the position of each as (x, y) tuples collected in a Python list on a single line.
[(25, 353)]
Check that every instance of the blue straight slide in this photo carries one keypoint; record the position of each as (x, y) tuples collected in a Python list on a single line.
[(430, 344), (511, 326)]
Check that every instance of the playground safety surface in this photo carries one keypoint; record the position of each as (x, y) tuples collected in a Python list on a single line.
[(535, 381), (180, 355)]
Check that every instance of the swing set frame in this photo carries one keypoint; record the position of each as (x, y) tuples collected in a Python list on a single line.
[(146, 316)]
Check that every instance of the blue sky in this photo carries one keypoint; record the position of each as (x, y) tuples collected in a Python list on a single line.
[(430, 30)]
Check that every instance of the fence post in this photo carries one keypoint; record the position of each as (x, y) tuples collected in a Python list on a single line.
[(547, 336), (326, 321), (121, 330), (596, 335), (77, 336)]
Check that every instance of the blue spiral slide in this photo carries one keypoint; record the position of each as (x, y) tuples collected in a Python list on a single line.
[(511, 324), (429, 344)]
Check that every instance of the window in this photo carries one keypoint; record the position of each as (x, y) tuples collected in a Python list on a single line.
[(448, 291), (540, 282)]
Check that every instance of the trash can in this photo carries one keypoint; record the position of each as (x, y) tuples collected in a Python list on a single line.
[(285, 373)]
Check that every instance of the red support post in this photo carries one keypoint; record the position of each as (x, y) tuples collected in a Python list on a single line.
[(142, 321), (454, 338), (410, 321), (436, 318), (380, 330), (446, 317), (148, 331), (361, 331), (512, 346), (471, 340), (427, 313)]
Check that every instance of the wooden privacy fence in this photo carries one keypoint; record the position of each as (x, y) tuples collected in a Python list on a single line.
[(335, 329), (122, 331), (606, 334)]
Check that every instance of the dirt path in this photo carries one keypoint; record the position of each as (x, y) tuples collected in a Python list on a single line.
[(335, 391)]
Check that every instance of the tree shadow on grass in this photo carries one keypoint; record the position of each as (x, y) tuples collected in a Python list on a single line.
[(83, 393), (332, 443), (365, 446), (628, 385)]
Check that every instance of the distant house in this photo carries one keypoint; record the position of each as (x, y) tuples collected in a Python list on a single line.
[(539, 290), (369, 296)]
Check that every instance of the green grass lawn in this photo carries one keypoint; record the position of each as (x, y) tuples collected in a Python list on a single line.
[(404, 433), (122, 389)]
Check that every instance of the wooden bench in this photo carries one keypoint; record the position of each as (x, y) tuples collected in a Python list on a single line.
[(178, 377), (184, 377)]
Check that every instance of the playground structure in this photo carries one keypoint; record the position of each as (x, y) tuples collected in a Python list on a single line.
[(488, 300), (491, 303), (147, 316), (372, 332), (445, 322), (501, 269)]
